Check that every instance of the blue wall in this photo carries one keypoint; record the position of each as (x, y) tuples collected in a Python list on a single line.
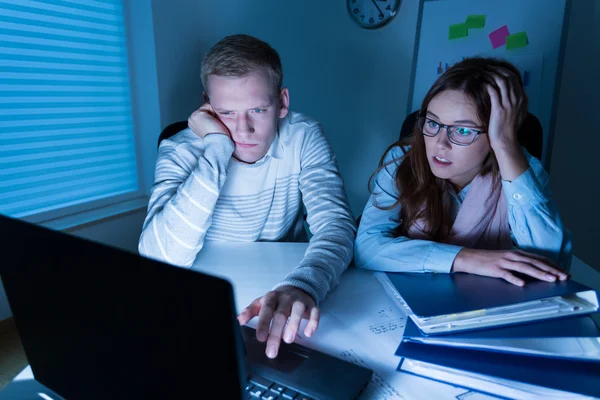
[(353, 80)]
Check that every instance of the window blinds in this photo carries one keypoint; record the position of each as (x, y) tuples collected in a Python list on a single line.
[(66, 134)]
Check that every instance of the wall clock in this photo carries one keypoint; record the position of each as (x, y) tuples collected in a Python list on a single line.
[(372, 14)]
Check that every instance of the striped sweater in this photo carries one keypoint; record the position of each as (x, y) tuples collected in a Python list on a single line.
[(201, 194)]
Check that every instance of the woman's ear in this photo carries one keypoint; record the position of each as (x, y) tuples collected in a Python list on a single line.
[(284, 102)]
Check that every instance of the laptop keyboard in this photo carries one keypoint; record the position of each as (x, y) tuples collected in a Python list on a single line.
[(264, 389)]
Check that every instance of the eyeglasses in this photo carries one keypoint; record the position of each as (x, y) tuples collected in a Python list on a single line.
[(459, 135)]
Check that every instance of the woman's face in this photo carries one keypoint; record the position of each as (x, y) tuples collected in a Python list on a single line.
[(458, 164)]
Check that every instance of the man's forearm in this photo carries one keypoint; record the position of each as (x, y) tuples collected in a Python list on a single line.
[(328, 255), (181, 213)]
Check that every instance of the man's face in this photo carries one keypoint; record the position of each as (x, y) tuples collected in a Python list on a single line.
[(250, 108)]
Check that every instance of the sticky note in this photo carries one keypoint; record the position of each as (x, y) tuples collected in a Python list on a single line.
[(516, 41), (457, 31), (475, 21), (498, 37)]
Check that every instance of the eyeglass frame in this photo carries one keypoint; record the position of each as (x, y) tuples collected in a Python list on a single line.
[(448, 132)]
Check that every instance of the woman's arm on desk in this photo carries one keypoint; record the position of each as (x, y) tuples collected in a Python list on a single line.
[(377, 249), (535, 223)]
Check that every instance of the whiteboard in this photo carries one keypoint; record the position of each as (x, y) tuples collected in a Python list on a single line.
[(540, 61)]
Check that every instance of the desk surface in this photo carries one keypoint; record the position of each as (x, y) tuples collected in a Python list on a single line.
[(360, 322)]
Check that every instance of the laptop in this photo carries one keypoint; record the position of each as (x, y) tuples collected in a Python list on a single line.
[(97, 322)]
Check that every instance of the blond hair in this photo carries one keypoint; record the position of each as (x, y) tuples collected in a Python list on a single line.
[(238, 55)]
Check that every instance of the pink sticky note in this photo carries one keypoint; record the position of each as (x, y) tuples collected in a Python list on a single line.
[(498, 37)]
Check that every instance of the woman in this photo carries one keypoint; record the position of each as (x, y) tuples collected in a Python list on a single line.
[(461, 194)]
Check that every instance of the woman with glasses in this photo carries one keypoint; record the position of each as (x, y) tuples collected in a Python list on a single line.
[(461, 194)]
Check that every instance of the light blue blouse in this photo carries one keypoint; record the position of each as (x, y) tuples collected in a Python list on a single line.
[(534, 221)]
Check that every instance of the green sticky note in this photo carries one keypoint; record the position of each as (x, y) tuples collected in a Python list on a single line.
[(516, 41), (475, 21), (458, 31)]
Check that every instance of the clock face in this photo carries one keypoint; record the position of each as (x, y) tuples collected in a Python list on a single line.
[(372, 14)]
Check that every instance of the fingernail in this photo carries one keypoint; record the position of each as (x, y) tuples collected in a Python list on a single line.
[(271, 353), (551, 278), (289, 337), (261, 335), (311, 332)]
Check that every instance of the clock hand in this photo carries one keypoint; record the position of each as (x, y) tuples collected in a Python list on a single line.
[(380, 13)]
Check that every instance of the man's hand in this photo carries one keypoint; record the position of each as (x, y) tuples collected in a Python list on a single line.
[(501, 264), (204, 121), (277, 306)]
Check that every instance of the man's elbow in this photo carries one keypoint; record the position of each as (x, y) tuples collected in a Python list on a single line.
[(142, 246)]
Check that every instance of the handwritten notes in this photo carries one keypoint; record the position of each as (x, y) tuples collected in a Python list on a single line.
[(388, 319)]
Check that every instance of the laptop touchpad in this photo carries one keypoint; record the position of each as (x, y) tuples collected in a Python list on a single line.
[(288, 359)]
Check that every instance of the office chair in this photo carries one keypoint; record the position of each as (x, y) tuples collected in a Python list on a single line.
[(530, 134), (171, 130)]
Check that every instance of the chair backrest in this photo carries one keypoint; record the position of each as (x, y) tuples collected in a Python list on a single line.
[(530, 134), (171, 130)]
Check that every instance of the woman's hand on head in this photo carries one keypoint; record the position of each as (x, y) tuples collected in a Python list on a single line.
[(507, 98), (503, 264)]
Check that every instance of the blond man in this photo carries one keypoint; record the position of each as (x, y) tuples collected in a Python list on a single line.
[(245, 170)]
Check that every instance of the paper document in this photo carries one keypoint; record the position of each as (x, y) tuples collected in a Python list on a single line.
[(485, 383), (549, 306), (472, 395), (367, 333)]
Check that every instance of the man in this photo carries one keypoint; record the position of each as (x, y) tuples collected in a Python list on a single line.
[(243, 172)]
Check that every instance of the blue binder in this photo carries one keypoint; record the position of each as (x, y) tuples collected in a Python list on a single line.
[(567, 375), (428, 296), (554, 328), (575, 338)]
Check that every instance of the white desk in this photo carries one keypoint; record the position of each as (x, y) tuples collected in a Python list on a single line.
[(355, 313), (359, 321)]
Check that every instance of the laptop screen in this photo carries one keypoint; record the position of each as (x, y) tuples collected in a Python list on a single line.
[(97, 322)]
